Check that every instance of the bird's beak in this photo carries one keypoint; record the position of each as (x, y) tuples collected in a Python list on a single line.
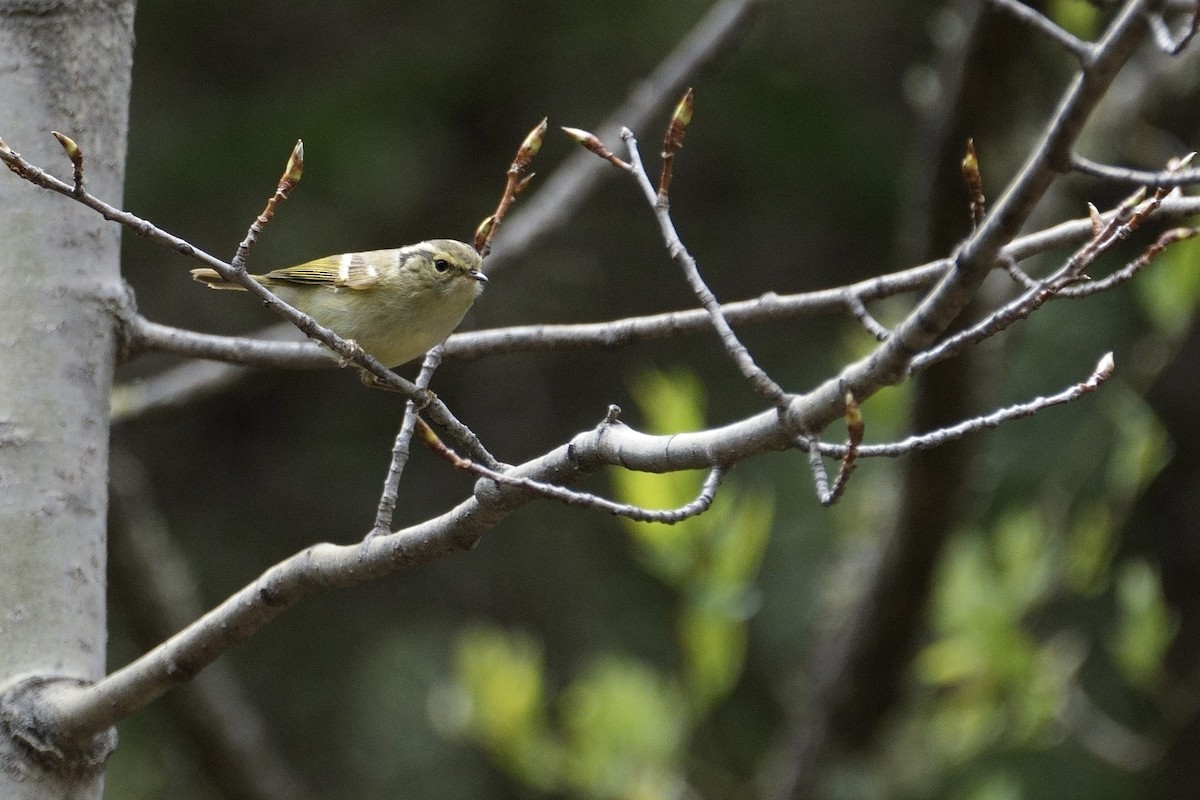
[(477, 275)]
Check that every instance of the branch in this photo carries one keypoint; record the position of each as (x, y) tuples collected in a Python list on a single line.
[(1042, 24), (183, 384), (928, 441), (325, 566), (386, 508), (984, 248), (737, 351), (1139, 177), (1128, 218), (696, 507)]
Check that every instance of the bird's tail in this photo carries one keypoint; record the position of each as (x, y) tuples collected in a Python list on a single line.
[(213, 280)]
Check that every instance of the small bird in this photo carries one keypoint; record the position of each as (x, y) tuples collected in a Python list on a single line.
[(395, 304)]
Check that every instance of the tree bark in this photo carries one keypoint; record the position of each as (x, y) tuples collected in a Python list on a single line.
[(65, 67)]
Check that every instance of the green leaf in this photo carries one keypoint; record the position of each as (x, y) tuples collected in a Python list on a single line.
[(625, 730), (1169, 289), (502, 674), (1145, 626)]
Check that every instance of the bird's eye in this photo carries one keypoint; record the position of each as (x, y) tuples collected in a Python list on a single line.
[(441, 264)]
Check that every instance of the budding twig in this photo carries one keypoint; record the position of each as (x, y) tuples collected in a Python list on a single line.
[(826, 494), (287, 181), (970, 171), (1070, 280), (76, 156), (519, 177), (594, 145), (738, 353), (1164, 240), (673, 141)]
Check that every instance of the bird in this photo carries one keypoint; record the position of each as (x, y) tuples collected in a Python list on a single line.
[(394, 304)]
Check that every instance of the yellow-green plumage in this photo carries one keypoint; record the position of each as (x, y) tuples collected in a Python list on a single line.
[(395, 304)]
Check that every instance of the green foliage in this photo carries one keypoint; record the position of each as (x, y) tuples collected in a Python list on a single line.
[(1144, 626), (622, 726), (1169, 289), (710, 560), (1077, 16), (626, 726), (1020, 621), (503, 674), (997, 680)]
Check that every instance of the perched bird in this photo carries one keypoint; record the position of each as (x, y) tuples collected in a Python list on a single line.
[(395, 304)]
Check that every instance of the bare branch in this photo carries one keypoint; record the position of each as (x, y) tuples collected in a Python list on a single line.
[(1168, 42), (391, 485), (696, 507), (1042, 24), (737, 351), (262, 349), (324, 566), (979, 254), (848, 461), (927, 441), (1139, 177)]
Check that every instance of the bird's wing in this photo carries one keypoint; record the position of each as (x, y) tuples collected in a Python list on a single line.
[(349, 270)]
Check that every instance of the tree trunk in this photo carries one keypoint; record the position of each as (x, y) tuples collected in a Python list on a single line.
[(63, 66)]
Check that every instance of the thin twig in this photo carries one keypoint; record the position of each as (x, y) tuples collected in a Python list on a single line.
[(1168, 42), (518, 177), (737, 351), (1165, 239), (932, 439), (287, 182), (386, 508), (848, 460), (1139, 177), (699, 505), (858, 310), (1035, 19), (1128, 217)]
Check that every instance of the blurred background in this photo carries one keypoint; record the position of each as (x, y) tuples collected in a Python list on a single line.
[(1010, 618)]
